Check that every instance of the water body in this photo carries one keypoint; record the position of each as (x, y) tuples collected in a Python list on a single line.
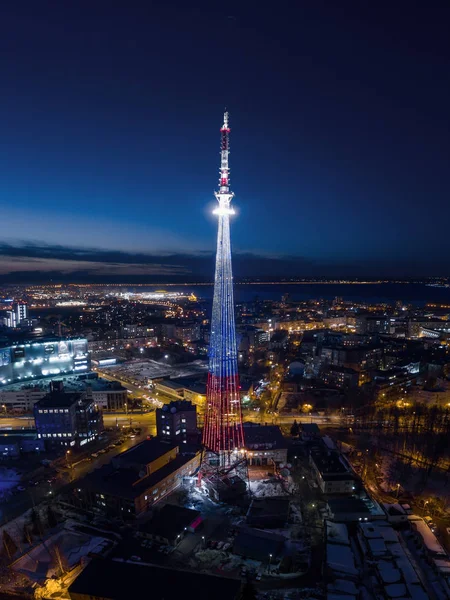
[(409, 293)]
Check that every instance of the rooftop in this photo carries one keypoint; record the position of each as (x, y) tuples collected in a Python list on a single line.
[(330, 463), (264, 436), (113, 580), (177, 406), (21, 338), (123, 482), (58, 399), (170, 521), (144, 453)]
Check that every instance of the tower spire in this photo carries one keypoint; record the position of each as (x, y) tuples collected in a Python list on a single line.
[(224, 195), (223, 432)]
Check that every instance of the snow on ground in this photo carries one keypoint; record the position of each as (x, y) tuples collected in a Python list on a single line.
[(293, 594), (15, 526), (215, 559), (41, 562), (9, 478), (143, 370), (272, 487)]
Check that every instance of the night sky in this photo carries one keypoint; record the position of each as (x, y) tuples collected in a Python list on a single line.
[(109, 138)]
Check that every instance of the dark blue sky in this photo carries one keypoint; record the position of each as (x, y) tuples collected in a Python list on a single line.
[(109, 137)]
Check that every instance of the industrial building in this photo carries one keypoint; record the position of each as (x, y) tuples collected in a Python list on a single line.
[(21, 397), (265, 444), (26, 359), (334, 474), (137, 479), (113, 580)]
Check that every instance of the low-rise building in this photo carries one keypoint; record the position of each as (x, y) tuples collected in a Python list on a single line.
[(268, 512), (15, 445), (137, 479), (117, 580), (265, 444), (170, 524), (333, 472), (109, 395)]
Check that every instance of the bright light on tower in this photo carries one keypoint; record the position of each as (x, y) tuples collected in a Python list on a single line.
[(223, 432)]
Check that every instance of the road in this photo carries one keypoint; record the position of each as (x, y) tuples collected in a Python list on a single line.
[(147, 420), (34, 495)]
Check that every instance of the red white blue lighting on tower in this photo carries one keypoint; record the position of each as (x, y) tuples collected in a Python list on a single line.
[(223, 432)]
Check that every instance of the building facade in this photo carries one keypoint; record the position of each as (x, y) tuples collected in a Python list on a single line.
[(177, 421), (67, 419), (34, 358)]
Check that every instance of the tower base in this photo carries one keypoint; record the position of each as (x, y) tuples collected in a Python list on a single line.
[(225, 476)]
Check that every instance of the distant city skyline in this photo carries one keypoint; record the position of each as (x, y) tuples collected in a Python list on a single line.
[(109, 147)]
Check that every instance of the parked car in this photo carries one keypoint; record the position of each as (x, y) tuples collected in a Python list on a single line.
[(94, 455), (219, 545)]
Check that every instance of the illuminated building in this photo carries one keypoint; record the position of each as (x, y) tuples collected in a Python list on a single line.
[(67, 418), (20, 311), (16, 316), (31, 358), (177, 421), (223, 433), (189, 332), (135, 480)]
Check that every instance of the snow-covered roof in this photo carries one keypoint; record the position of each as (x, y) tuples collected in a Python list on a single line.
[(332, 596), (389, 535), (394, 510), (396, 550), (417, 592), (407, 569), (395, 590), (370, 530), (343, 586), (428, 537), (340, 559), (388, 572), (328, 442), (337, 533), (377, 547), (442, 565)]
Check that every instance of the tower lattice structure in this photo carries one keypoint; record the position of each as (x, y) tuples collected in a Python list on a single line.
[(223, 435)]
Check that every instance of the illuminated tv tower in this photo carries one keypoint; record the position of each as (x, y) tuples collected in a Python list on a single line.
[(223, 435)]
